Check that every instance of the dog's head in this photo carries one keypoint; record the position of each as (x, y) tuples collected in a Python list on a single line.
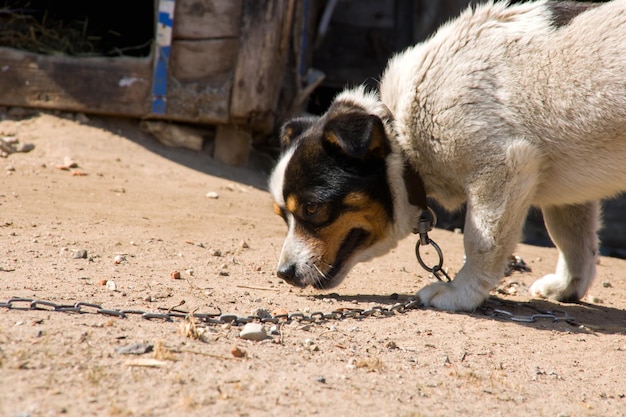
[(331, 187)]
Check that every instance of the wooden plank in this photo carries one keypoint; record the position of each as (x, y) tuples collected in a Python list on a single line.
[(205, 19), (211, 61), (261, 62), (232, 144), (117, 86), (201, 79)]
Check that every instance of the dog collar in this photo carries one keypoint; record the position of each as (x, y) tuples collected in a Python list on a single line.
[(414, 187), (416, 194)]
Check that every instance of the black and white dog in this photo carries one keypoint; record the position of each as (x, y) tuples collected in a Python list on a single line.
[(503, 108)]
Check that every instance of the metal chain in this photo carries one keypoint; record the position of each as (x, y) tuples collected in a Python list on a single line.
[(556, 316), (318, 317), (18, 303), (427, 221)]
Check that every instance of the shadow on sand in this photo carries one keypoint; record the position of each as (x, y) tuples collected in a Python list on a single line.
[(538, 314)]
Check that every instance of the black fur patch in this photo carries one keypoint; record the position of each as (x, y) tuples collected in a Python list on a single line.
[(564, 11), (318, 174)]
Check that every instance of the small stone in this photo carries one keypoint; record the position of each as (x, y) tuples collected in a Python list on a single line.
[(279, 312), (607, 284), (261, 313), (175, 275), (237, 352), (69, 163), (136, 349), (111, 285), (102, 282), (224, 273), (595, 300), (321, 379), (215, 252), (274, 330), (81, 118), (253, 331), (391, 345), (80, 254), (119, 259), (213, 195), (244, 245)]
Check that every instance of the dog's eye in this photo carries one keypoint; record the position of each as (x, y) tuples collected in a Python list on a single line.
[(311, 209)]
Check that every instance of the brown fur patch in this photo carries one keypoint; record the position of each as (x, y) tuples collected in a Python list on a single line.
[(364, 213), (332, 138), (292, 203), (277, 209)]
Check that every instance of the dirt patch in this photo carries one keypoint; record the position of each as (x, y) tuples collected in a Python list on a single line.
[(144, 227)]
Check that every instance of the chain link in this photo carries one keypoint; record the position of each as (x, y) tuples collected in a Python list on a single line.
[(498, 311), (493, 307), (18, 303)]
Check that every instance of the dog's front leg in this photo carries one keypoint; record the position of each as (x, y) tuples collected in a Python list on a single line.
[(497, 203)]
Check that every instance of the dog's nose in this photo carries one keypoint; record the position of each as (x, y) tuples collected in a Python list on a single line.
[(287, 272)]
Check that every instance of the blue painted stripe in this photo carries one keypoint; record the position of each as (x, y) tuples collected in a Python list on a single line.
[(165, 23)]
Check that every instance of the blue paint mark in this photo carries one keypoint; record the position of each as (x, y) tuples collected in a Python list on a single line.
[(165, 23)]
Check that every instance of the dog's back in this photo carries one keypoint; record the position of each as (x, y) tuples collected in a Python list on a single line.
[(530, 71)]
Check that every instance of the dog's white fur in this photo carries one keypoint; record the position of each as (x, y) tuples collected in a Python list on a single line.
[(503, 111)]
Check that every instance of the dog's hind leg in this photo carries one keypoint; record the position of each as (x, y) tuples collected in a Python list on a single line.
[(498, 199), (573, 230)]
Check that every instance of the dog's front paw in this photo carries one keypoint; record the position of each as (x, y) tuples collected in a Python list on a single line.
[(555, 287), (450, 297)]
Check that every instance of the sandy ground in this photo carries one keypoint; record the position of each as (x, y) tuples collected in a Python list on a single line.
[(141, 211)]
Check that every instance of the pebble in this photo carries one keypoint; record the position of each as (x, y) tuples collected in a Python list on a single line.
[(215, 252), (111, 285), (237, 352), (80, 254), (213, 195), (244, 245), (321, 379), (279, 312), (136, 349), (274, 331), (81, 118), (175, 275), (261, 313), (391, 345), (119, 259), (253, 331)]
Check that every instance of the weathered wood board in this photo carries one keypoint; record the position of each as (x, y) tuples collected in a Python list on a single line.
[(218, 62), (200, 80), (206, 19), (98, 85), (260, 62)]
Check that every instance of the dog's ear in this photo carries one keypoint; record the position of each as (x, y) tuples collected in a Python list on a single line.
[(358, 135), (293, 129)]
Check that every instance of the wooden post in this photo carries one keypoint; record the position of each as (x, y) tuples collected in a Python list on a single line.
[(260, 62), (232, 144)]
